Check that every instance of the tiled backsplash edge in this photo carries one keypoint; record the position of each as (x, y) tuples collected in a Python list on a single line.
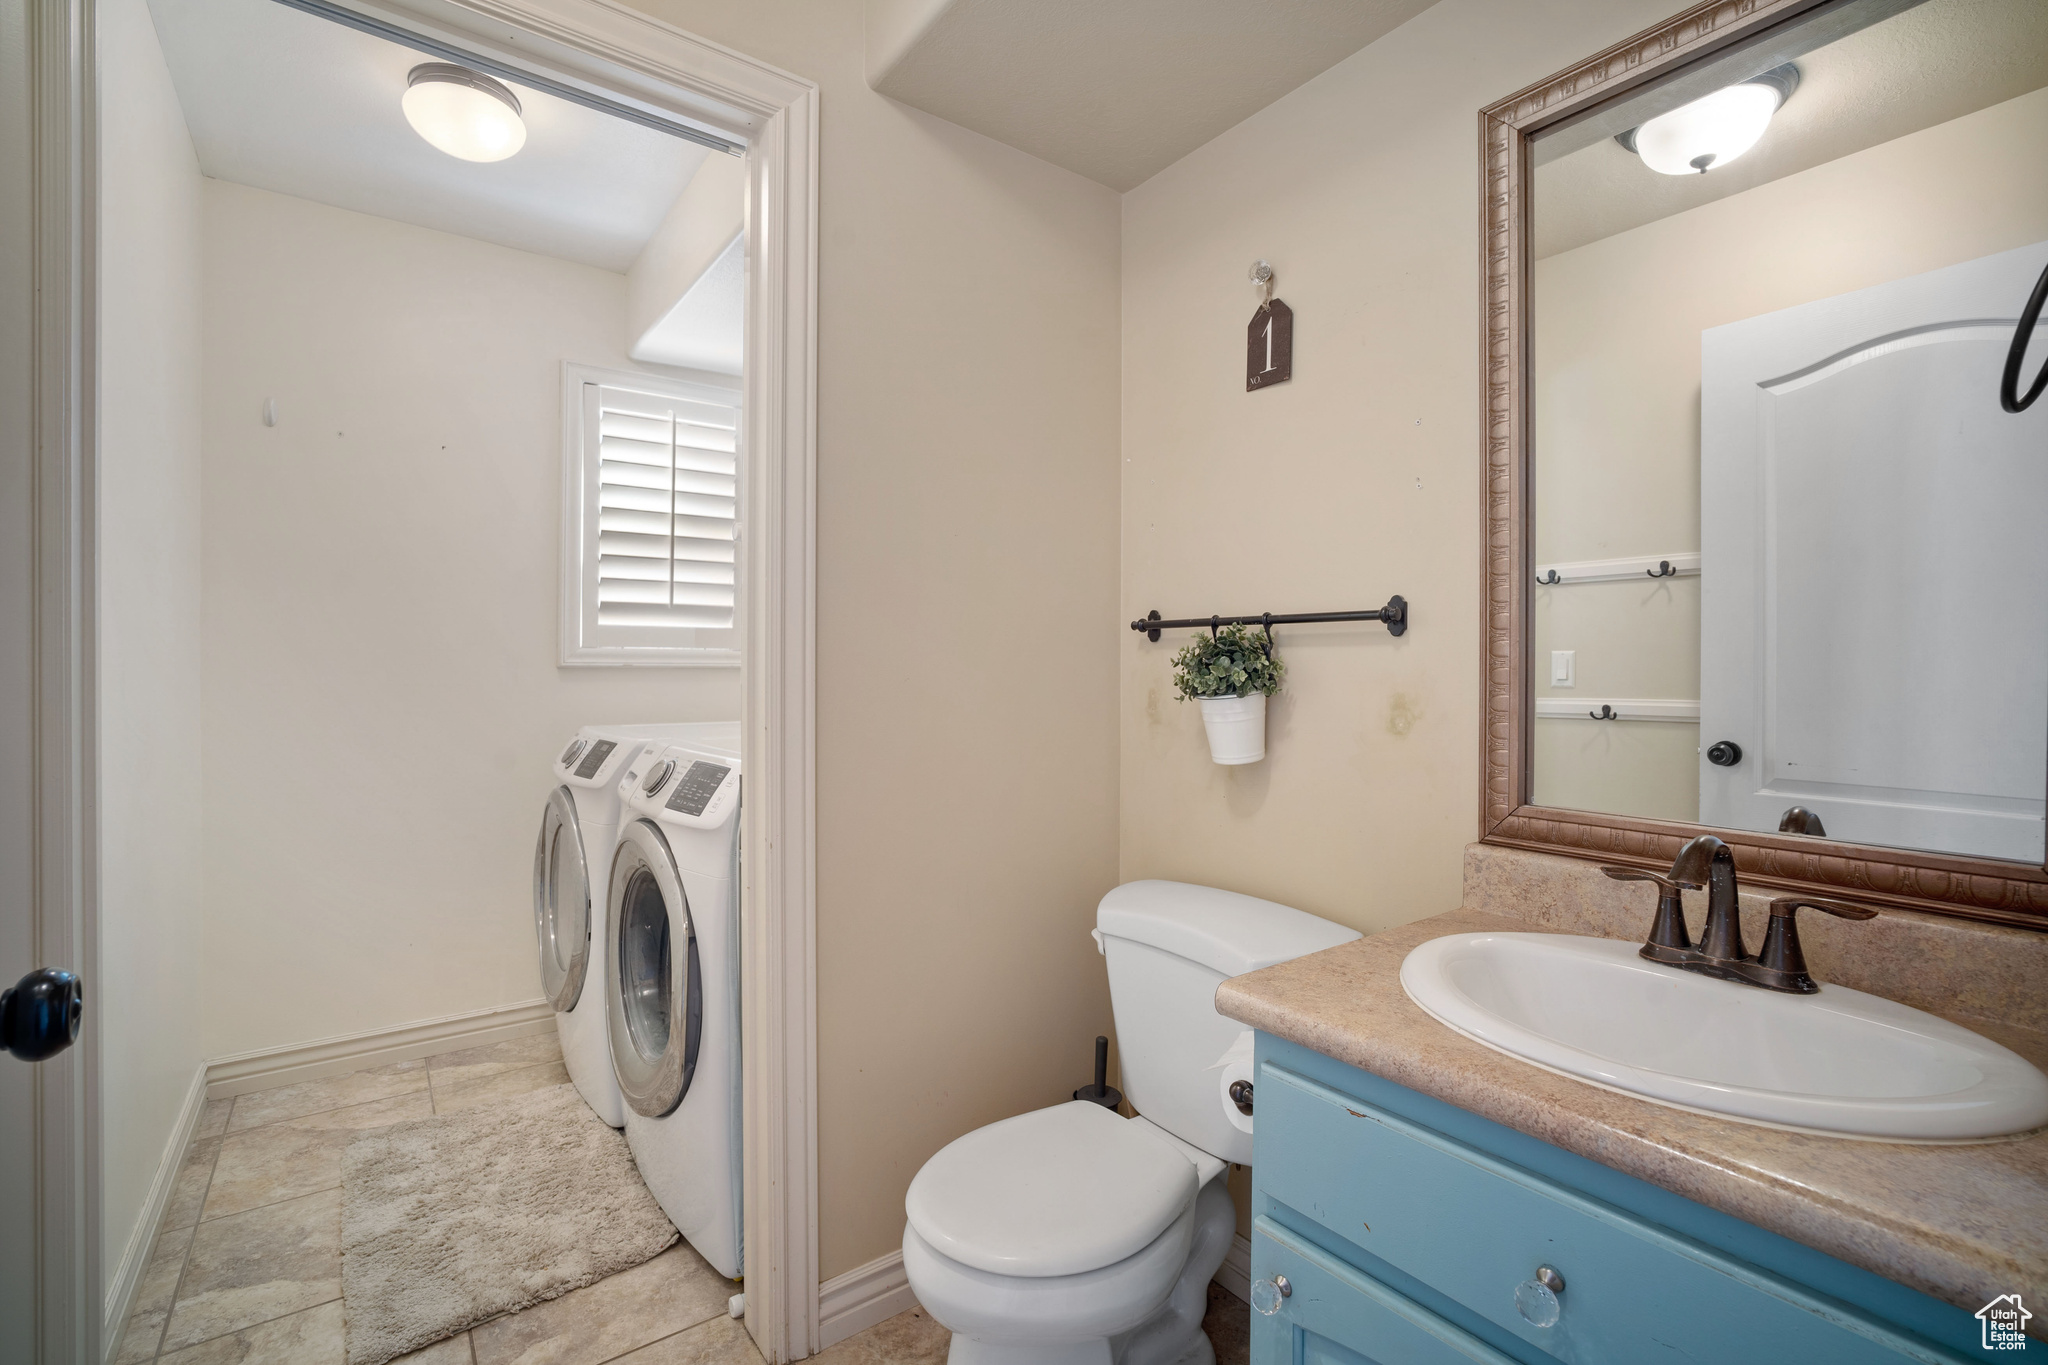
[(1948, 966)]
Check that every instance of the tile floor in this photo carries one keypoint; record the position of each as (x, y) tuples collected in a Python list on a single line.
[(248, 1268)]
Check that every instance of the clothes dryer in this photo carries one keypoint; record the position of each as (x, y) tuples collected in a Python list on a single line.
[(673, 964), (571, 860)]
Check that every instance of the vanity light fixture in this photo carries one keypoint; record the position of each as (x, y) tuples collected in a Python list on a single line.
[(462, 112), (1713, 131)]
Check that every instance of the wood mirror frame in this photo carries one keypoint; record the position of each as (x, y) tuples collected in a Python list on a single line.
[(1973, 888)]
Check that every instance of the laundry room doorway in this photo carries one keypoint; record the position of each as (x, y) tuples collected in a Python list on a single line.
[(303, 720)]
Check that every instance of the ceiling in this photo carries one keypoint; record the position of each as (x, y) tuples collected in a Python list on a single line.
[(285, 101), (1935, 62), (1115, 90)]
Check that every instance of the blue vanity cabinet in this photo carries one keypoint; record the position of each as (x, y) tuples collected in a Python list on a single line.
[(1403, 1227)]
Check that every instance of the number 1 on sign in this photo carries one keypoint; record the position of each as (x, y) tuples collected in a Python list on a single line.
[(1269, 347)]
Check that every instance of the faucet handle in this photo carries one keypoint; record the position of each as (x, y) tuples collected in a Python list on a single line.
[(1667, 932), (1786, 906), (1781, 964), (1636, 874)]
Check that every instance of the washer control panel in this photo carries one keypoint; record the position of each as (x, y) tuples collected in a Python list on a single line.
[(594, 757)]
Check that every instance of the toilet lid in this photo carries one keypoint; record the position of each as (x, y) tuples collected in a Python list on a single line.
[(1054, 1192)]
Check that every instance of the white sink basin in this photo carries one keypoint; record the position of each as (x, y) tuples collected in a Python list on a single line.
[(1841, 1062)]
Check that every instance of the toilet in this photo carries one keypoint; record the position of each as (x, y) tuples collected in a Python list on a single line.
[(1074, 1236)]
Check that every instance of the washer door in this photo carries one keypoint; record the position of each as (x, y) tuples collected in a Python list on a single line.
[(657, 1008), (561, 902)]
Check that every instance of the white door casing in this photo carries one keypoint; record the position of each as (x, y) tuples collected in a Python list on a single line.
[(1874, 588)]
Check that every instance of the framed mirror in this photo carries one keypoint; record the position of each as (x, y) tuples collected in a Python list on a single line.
[(1766, 554)]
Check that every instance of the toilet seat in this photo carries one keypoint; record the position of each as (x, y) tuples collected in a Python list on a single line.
[(1059, 1191)]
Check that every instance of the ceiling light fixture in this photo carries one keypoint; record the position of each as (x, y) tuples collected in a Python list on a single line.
[(1711, 132), (464, 113)]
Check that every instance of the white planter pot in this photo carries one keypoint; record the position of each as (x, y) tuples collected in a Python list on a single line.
[(1236, 726)]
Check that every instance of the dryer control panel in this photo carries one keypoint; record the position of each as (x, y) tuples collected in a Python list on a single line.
[(701, 785), (677, 787)]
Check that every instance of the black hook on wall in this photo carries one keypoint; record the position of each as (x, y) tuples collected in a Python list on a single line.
[(1663, 570), (1605, 712), (1552, 581), (2009, 384)]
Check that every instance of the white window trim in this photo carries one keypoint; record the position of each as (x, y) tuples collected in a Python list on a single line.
[(580, 645)]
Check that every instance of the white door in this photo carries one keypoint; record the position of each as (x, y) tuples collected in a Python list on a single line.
[(18, 1109), (1874, 577), (49, 1280)]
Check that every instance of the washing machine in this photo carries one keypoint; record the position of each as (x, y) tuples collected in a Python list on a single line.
[(673, 954), (571, 860)]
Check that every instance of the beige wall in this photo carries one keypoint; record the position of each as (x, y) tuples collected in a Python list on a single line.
[(1358, 479), (967, 633), (147, 1001), (382, 693), (1617, 410)]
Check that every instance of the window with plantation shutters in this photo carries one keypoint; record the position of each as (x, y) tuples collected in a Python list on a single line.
[(652, 521)]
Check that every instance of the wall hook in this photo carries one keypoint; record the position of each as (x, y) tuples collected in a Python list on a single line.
[(1605, 712), (1551, 580), (1663, 570), (1214, 621), (1261, 274)]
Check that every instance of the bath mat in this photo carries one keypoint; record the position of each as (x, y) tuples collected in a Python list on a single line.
[(449, 1221)]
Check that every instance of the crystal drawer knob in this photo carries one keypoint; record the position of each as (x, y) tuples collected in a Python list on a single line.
[(1536, 1300), (1268, 1295)]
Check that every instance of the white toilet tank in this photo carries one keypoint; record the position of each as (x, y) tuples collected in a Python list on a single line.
[(1169, 945)]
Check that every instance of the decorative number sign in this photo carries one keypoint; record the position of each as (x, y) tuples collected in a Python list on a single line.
[(1269, 346)]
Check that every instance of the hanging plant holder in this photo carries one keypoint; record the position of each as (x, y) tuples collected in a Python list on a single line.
[(1230, 672)]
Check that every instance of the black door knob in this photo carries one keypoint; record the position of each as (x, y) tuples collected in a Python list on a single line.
[(40, 1014), (1725, 754)]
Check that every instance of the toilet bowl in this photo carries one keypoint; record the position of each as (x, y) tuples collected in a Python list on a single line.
[(1072, 1235)]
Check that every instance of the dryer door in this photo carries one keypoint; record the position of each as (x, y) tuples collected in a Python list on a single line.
[(561, 902), (657, 1008)]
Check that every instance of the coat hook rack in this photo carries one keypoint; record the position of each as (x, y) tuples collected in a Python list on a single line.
[(1394, 614)]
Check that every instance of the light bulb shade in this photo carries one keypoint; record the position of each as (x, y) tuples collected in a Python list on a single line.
[(462, 112), (1708, 133)]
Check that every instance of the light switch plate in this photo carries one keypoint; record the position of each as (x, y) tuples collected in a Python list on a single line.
[(1563, 672)]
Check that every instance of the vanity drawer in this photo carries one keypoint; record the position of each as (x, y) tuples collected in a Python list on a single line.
[(1338, 1315), (1472, 1228)]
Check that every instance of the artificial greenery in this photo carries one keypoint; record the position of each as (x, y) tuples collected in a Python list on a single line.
[(1236, 662)]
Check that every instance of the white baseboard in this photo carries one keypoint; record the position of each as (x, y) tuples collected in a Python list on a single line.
[(127, 1276), (862, 1297), (247, 1071), (1236, 1271)]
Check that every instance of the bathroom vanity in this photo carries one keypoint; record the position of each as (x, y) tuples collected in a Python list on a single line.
[(1415, 1188)]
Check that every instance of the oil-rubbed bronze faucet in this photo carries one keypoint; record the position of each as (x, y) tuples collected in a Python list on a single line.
[(1706, 861)]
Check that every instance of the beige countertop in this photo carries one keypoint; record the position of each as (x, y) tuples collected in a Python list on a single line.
[(1964, 1223)]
